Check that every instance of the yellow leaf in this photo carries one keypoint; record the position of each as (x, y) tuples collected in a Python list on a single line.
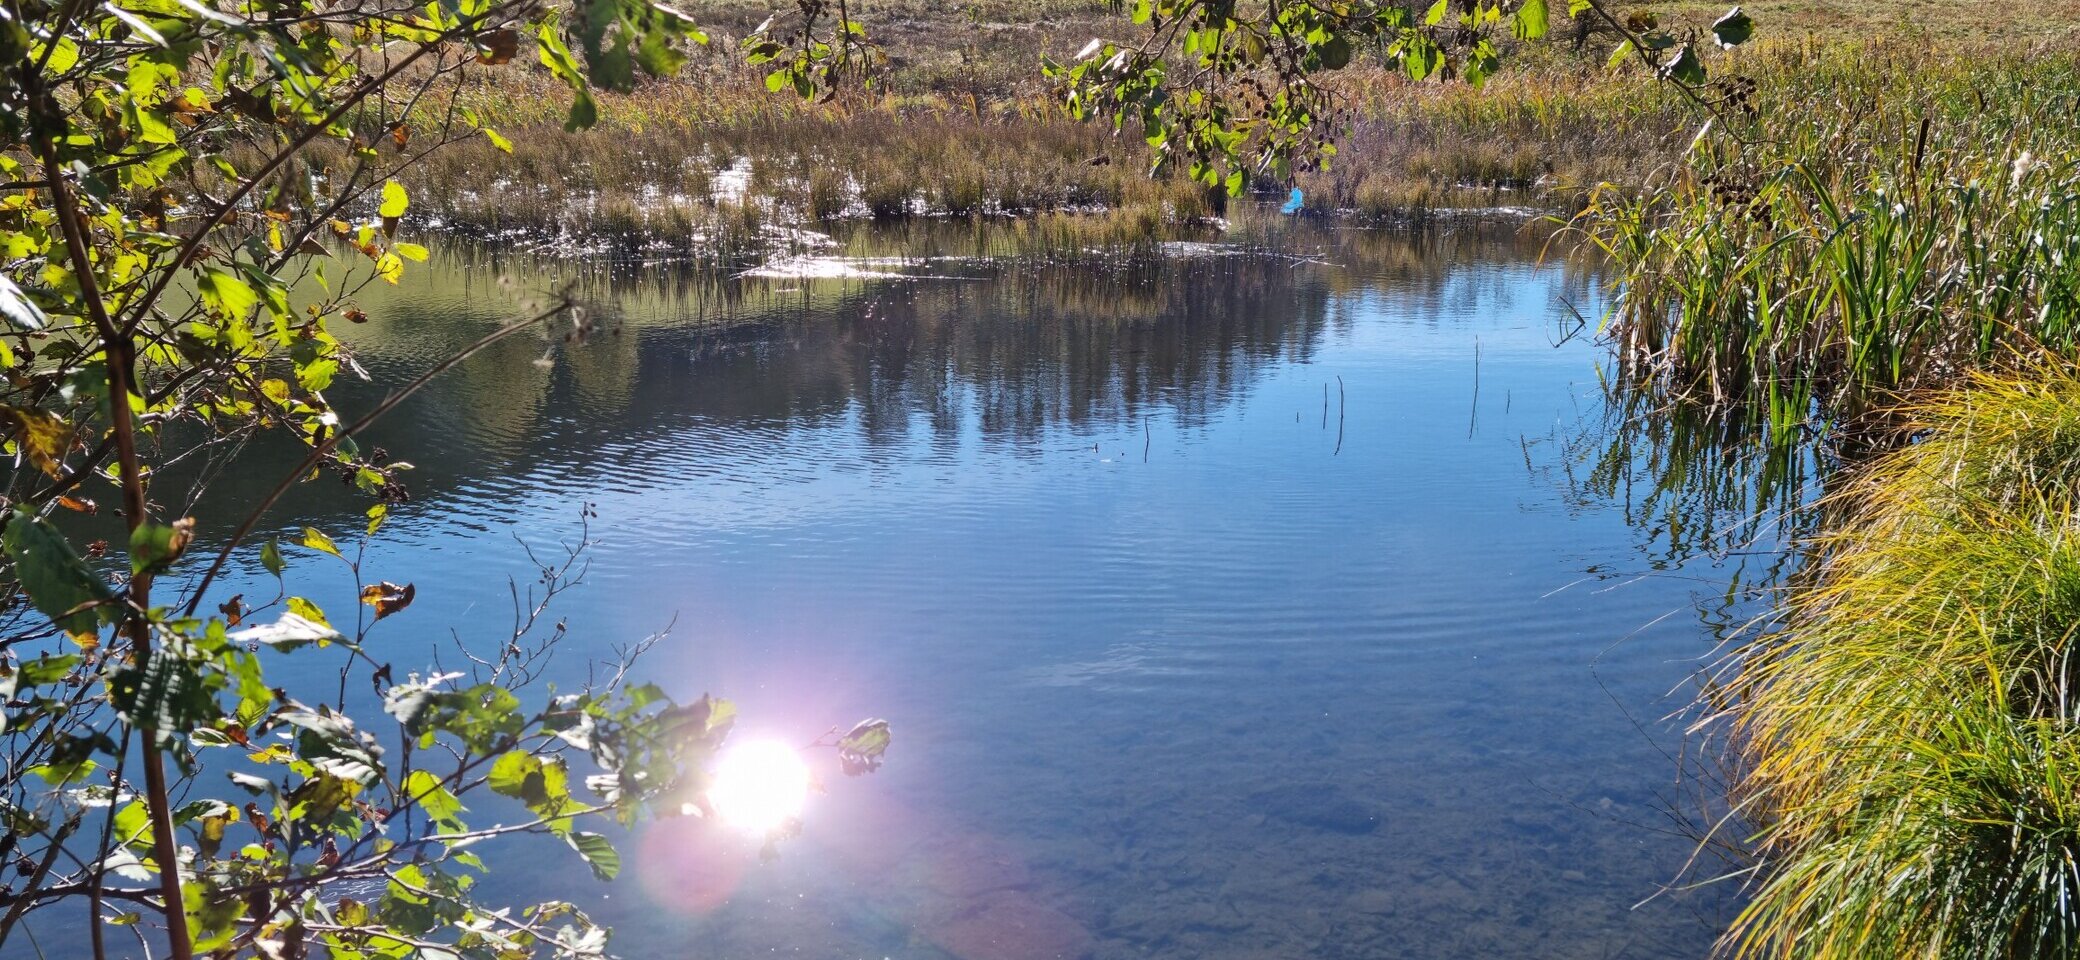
[(394, 200), (43, 438)]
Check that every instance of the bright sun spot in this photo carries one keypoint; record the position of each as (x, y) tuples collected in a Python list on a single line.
[(759, 785)]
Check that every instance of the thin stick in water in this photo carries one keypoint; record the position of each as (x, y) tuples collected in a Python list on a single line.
[(1473, 415), (1339, 415)]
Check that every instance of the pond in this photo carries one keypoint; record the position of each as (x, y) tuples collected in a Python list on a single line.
[(1241, 606)]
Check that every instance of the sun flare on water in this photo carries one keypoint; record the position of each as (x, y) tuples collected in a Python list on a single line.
[(759, 785)]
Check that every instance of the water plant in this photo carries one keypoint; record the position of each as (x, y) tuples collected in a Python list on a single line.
[(1909, 721), (1895, 218)]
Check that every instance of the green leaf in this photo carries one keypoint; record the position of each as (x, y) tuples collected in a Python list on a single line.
[(598, 852), (55, 578), (133, 825), (327, 740), (410, 251), (228, 293), (1335, 53), (1733, 29), (316, 539), (432, 796), (155, 546), (212, 916), (1436, 13), (307, 610), (657, 56), (1531, 20), (43, 670), (58, 773), (860, 750), (511, 772), (1619, 55), (584, 113), (394, 200), (557, 57), (164, 692), (1684, 67), (271, 556)]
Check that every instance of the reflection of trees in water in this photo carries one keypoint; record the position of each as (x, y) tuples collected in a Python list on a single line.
[(1695, 489), (1007, 355), (1723, 505), (1049, 349)]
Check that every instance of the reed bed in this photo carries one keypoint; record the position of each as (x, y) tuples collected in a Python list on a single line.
[(668, 153), (1916, 763), (681, 168), (1889, 219)]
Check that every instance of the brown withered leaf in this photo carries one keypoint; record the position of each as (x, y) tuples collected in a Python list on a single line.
[(311, 247), (43, 438), (356, 315), (499, 46), (79, 505), (234, 610), (387, 597), (401, 135)]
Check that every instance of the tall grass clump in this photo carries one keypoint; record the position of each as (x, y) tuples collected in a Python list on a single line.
[(1887, 220), (1910, 722)]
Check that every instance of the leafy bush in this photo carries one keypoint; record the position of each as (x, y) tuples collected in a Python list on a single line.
[(173, 255)]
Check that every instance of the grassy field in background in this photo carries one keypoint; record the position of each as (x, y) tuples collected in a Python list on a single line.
[(993, 47), (959, 123)]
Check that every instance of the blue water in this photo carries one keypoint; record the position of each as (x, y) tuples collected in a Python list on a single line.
[(1246, 608)]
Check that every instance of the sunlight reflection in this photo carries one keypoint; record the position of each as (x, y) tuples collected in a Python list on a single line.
[(759, 786)]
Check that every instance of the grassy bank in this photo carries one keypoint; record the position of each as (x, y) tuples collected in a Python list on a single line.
[(1917, 764), (1914, 217), (718, 165)]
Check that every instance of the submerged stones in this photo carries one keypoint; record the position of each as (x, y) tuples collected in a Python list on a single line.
[(1008, 925), (1318, 806)]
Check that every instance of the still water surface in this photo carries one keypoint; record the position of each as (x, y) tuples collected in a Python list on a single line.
[(1242, 608)]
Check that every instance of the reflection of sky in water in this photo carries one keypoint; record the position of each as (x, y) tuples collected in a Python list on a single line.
[(1172, 674)]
